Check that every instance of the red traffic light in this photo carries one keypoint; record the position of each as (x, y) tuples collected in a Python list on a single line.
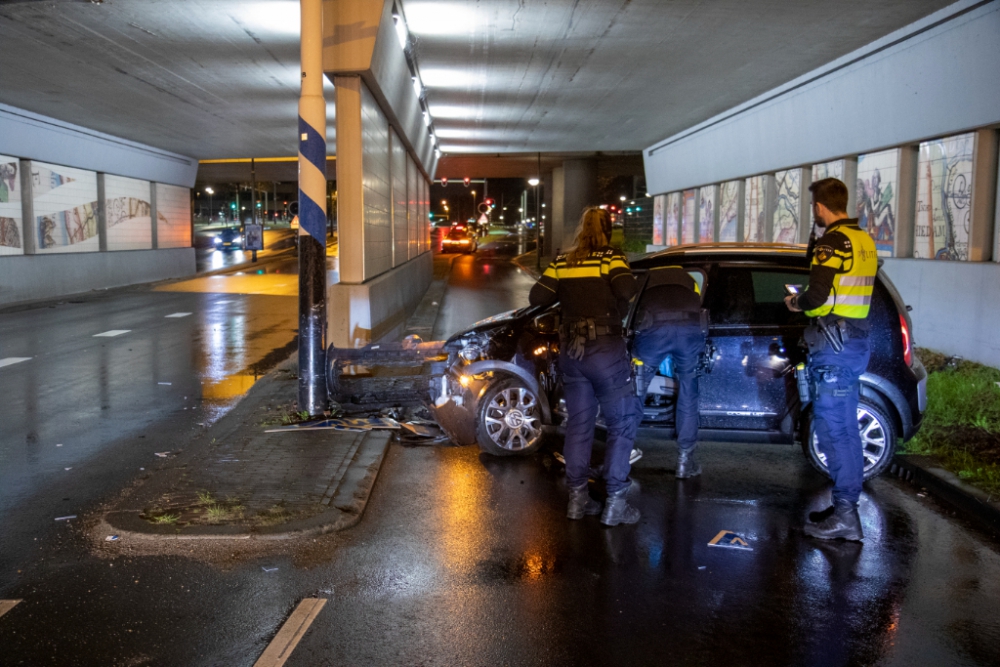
[(444, 180), (466, 180), (488, 202)]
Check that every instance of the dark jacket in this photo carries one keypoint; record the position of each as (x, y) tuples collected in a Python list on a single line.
[(599, 287)]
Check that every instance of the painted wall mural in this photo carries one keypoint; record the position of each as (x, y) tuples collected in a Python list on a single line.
[(10, 207), (673, 217), (833, 169), (729, 211), (753, 210), (706, 214), (128, 213), (688, 207), (944, 198), (787, 205), (659, 203), (173, 216), (65, 205), (877, 188)]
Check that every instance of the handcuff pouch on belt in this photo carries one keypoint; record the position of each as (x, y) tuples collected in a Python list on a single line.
[(826, 331), (576, 333)]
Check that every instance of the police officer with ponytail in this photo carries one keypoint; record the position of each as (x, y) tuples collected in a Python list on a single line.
[(841, 280), (593, 283)]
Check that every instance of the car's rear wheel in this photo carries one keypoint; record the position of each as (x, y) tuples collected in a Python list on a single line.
[(878, 439), (509, 421)]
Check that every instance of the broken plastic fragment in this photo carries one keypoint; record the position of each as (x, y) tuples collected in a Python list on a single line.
[(162, 455), (111, 538), (269, 569), (65, 518)]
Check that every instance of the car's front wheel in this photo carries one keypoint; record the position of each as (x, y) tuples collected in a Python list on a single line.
[(878, 440), (509, 420)]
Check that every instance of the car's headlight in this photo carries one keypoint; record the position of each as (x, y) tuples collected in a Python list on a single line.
[(217, 239), (471, 352), (474, 347)]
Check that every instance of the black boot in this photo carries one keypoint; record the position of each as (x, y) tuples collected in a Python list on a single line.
[(617, 510), (581, 503), (844, 523), (821, 515), (686, 465)]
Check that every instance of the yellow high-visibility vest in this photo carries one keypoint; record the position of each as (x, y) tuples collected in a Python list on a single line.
[(856, 266)]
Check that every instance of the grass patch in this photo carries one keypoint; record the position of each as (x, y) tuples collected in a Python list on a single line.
[(961, 427), (165, 519)]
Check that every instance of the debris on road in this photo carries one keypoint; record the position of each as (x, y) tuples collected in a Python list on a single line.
[(355, 425), (162, 455), (65, 518), (168, 384), (269, 569), (111, 538)]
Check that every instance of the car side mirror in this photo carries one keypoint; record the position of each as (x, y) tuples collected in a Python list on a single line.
[(546, 323)]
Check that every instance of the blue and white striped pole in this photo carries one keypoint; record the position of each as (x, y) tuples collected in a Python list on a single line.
[(312, 214)]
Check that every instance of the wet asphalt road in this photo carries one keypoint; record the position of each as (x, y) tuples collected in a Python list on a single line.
[(460, 559)]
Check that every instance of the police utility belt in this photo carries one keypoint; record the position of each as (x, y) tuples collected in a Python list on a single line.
[(576, 333), (831, 331)]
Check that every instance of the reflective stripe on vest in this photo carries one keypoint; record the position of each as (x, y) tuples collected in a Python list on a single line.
[(851, 295)]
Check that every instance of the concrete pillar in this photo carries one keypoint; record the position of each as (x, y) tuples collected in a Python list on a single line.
[(770, 204), (29, 231), (805, 205), (579, 192), (906, 201), (851, 181), (350, 176), (154, 241), (102, 214), (984, 176), (558, 213)]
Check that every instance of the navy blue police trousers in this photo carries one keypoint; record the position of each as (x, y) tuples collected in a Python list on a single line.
[(603, 377), (836, 385)]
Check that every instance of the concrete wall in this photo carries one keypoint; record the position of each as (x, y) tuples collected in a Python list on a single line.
[(377, 310), (935, 77), (35, 277), (36, 137), (955, 307)]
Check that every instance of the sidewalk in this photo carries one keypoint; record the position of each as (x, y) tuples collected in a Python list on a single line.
[(234, 481)]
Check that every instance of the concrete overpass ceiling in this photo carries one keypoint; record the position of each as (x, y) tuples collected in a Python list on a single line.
[(220, 78), (570, 75)]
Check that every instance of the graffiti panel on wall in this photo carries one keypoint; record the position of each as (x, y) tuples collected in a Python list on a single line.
[(126, 202), (687, 216), (173, 216), (878, 183), (786, 211), (65, 206), (834, 169), (753, 210), (10, 206), (673, 217), (659, 203), (729, 210), (706, 214), (944, 198)]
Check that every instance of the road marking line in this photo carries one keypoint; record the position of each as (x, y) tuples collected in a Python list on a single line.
[(112, 333), (291, 633), (10, 361), (177, 315), (7, 605)]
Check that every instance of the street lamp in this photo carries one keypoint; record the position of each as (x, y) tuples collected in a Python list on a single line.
[(533, 182), (210, 192)]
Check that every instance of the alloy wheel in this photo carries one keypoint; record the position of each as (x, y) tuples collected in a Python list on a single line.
[(512, 418)]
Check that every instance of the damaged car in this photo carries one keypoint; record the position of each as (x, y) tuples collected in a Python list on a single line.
[(499, 384)]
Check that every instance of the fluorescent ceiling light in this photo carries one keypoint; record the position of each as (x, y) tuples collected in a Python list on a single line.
[(400, 30), (451, 78), (533, 182), (454, 133), (273, 16), (449, 111), (441, 18)]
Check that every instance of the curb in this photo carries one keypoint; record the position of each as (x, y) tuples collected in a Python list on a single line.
[(128, 524), (946, 486), (530, 270)]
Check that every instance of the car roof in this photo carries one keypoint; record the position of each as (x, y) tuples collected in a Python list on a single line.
[(777, 253)]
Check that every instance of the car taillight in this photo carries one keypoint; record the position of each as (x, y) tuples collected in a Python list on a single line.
[(907, 348)]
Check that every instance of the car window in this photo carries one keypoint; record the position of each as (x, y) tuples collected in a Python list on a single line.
[(753, 295)]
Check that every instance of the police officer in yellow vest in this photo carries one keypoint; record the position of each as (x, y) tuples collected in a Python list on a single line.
[(841, 280)]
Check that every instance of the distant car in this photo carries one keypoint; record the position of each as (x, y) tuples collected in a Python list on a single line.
[(504, 368), (459, 240), (229, 238)]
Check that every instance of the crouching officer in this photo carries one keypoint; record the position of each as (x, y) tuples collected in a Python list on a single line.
[(841, 280), (670, 323), (593, 283)]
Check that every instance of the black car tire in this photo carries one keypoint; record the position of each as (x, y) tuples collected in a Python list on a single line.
[(878, 435), (509, 419)]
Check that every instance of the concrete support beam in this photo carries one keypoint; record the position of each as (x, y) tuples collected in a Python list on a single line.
[(350, 180), (906, 200), (805, 205), (102, 215), (28, 228), (153, 215), (558, 214), (579, 190), (984, 176)]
